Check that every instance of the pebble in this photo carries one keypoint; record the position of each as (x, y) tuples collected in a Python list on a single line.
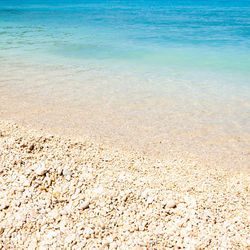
[(171, 204), (26, 183), (84, 205), (150, 200), (66, 172), (41, 170)]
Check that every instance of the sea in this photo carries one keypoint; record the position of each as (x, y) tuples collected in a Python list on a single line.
[(166, 78)]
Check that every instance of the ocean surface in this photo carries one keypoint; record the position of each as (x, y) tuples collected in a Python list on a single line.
[(162, 77)]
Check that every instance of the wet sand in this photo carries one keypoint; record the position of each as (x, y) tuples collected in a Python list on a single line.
[(178, 135), (165, 120)]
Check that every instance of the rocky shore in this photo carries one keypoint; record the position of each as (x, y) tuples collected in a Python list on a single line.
[(58, 193)]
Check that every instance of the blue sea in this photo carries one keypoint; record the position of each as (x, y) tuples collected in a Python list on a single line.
[(160, 74)]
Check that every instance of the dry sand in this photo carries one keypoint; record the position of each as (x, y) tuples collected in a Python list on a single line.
[(58, 193)]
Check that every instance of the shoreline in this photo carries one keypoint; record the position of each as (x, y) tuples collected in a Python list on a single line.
[(208, 127), (62, 192)]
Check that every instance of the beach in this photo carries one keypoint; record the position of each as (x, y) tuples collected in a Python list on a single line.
[(59, 192), (169, 81), (176, 120), (124, 124)]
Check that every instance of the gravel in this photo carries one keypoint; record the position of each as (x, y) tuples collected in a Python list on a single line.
[(62, 193)]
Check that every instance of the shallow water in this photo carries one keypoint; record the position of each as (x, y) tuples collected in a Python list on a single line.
[(169, 78)]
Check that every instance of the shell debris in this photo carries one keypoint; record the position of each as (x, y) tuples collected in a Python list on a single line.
[(55, 195)]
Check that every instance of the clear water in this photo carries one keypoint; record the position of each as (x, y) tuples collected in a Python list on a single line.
[(177, 36), (166, 65)]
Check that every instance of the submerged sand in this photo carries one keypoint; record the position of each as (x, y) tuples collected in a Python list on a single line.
[(164, 118), (57, 193)]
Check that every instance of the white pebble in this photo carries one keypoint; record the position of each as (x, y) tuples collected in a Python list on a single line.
[(66, 172), (170, 204), (42, 170), (84, 205)]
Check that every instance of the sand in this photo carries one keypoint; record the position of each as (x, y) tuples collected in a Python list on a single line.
[(156, 118), (58, 193)]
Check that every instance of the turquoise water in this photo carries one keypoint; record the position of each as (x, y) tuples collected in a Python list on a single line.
[(173, 35), (149, 61)]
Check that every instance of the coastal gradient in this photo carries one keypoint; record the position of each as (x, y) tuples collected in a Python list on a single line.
[(162, 77)]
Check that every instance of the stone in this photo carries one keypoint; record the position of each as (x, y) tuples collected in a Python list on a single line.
[(150, 200), (113, 245), (26, 183), (41, 170), (84, 205), (66, 172), (59, 170), (170, 204)]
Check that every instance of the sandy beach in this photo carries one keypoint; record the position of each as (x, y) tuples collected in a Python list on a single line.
[(58, 193), (124, 124)]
